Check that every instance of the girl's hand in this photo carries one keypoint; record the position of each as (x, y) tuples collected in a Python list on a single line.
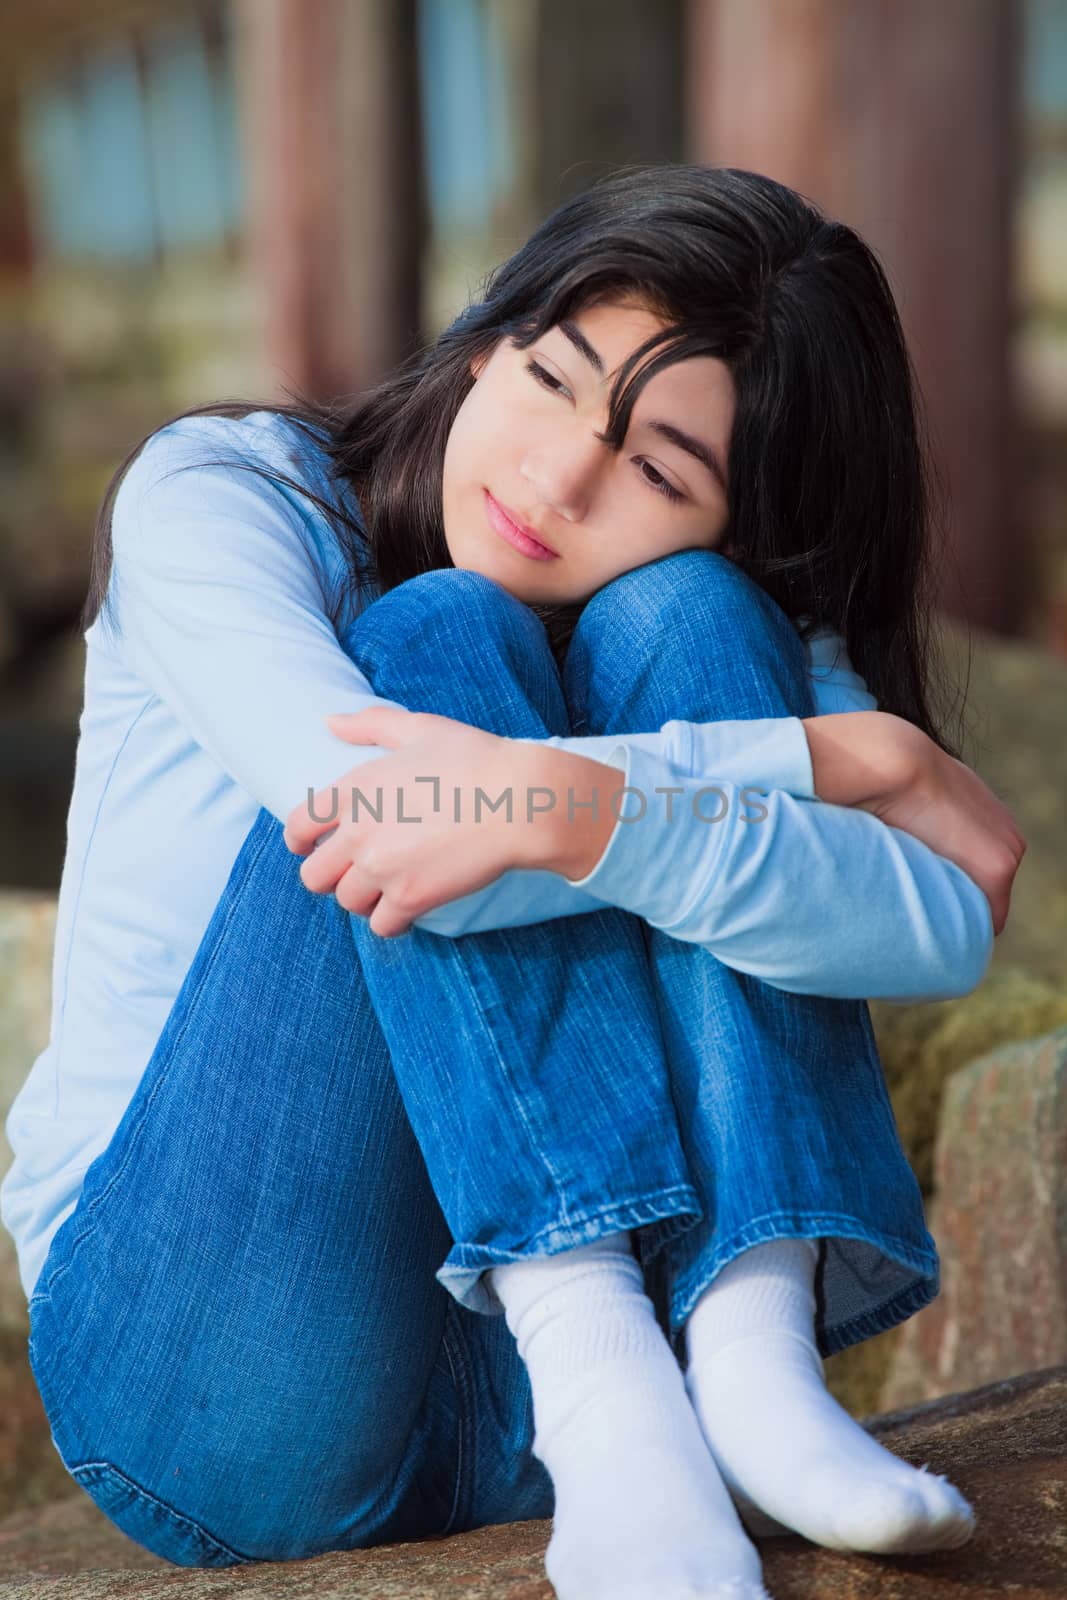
[(418, 855), (948, 807), (886, 766)]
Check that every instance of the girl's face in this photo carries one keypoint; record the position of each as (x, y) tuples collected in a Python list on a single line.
[(523, 449)]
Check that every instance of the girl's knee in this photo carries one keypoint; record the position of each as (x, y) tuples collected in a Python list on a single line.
[(451, 611), (687, 636), (458, 644), (689, 589)]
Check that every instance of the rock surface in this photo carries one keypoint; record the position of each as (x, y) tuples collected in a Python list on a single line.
[(921, 1046), (1001, 1180), (27, 934), (30, 1471), (1005, 1446), (1016, 719)]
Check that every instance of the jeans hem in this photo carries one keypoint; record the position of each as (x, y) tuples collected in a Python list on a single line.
[(839, 1335), (898, 1308), (666, 1213)]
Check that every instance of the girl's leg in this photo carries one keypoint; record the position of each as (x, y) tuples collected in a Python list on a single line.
[(783, 1107), (531, 1065), (499, 1039), (237, 1335)]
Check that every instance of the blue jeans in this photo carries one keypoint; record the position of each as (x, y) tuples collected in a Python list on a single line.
[(262, 1333)]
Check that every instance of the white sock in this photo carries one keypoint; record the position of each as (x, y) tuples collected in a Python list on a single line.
[(640, 1510), (781, 1440)]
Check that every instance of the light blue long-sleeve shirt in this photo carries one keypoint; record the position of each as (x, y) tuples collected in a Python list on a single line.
[(207, 700)]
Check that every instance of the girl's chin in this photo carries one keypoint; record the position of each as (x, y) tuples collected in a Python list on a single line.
[(509, 574), (520, 577)]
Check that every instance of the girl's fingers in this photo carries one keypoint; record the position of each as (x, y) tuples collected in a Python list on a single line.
[(387, 921), (306, 823), (322, 869), (388, 726), (356, 893), (331, 869)]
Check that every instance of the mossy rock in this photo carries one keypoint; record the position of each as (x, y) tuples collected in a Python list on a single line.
[(921, 1047)]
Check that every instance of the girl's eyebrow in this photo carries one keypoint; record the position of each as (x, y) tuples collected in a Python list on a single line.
[(685, 441), (695, 447), (582, 345)]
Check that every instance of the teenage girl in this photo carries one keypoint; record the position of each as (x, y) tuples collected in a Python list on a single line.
[(620, 591)]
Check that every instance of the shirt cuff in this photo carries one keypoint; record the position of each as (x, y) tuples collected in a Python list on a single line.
[(760, 753), (667, 840), (764, 753)]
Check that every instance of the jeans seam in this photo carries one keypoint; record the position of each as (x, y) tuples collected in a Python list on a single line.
[(169, 1511), (456, 1354), (864, 1324), (101, 1464), (678, 1191)]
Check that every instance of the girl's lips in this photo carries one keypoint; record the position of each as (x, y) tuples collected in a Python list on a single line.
[(502, 524)]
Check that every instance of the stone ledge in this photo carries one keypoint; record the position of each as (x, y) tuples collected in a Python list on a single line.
[(1004, 1445)]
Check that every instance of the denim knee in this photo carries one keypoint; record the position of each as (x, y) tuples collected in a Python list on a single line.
[(688, 636), (455, 642), (429, 609)]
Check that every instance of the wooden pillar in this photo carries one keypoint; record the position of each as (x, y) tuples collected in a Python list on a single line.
[(899, 117), (15, 248), (332, 152), (608, 81)]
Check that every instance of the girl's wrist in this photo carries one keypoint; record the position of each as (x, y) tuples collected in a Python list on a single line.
[(862, 756), (575, 804)]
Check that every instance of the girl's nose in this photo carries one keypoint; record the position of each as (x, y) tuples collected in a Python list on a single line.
[(563, 477)]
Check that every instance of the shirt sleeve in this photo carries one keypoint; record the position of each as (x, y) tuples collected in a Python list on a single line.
[(836, 683), (810, 897), (771, 752)]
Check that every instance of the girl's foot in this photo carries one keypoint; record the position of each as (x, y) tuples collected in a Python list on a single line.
[(640, 1510), (781, 1440)]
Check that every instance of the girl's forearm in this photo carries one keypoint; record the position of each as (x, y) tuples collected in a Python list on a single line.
[(861, 756), (867, 761), (857, 757), (574, 830), (812, 898)]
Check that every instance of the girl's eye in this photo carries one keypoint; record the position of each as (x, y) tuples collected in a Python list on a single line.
[(554, 386), (662, 487), (545, 378)]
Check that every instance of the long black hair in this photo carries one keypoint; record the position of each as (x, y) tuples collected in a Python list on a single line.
[(835, 506)]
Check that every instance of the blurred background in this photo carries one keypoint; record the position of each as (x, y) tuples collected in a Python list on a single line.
[(216, 198), (208, 199)]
